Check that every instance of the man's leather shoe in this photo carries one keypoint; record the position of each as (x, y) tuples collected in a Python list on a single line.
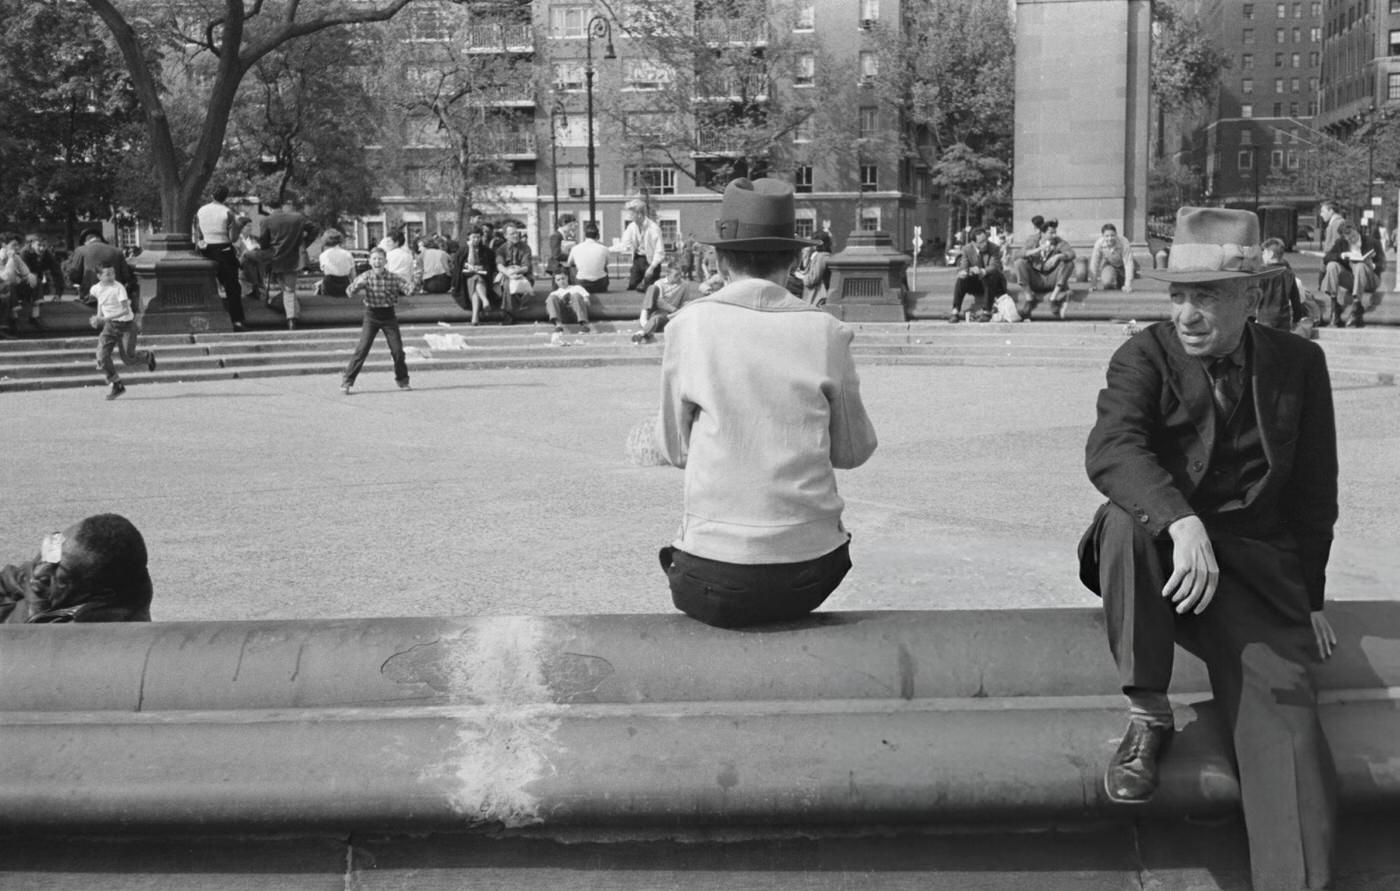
[(1132, 774)]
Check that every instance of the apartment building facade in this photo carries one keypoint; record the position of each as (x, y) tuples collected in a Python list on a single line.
[(523, 69), (1360, 61), (1254, 148)]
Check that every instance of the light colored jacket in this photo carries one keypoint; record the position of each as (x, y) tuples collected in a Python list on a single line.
[(760, 402), (1113, 250)]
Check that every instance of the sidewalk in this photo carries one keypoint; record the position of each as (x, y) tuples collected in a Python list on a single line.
[(507, 491)]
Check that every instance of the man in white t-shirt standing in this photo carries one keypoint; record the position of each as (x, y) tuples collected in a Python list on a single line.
[(216, 231)]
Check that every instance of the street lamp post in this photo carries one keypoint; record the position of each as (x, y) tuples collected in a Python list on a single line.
[(554, 114), (598, 26)]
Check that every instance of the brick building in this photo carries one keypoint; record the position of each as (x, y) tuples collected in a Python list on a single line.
[(531, 143)]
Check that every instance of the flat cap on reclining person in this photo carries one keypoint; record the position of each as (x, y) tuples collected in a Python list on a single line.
[(93, 571)]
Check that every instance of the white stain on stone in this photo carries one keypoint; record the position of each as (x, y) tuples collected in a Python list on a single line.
[(506, 743)]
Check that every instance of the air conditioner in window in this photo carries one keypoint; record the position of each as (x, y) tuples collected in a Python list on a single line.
[(867, 24), (576, 192)]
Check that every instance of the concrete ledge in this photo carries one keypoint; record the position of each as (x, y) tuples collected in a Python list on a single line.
[(456, 723)]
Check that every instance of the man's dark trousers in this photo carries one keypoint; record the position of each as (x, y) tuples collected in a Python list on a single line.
[(1256, 640), (226, 269)]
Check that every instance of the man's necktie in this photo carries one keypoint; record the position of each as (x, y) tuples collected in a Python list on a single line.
[(1222, 387)]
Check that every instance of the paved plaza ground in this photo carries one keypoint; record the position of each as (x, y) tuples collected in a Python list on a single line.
[(508, 491)]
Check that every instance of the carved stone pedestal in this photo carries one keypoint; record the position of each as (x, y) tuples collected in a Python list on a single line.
[(179, 294)]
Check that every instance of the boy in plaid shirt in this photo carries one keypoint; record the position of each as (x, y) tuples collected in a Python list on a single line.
[(380, 289)]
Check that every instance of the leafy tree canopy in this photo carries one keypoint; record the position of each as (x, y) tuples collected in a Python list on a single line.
[(70, 114)]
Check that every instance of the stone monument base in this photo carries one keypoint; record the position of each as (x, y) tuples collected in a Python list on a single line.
[(179, 292)]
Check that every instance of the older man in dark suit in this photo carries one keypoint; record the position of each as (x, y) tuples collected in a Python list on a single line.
[(1216, 447)]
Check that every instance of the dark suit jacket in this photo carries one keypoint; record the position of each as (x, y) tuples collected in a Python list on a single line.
[(82, 267), (1156, 428), (1337, 250), (485, 258)]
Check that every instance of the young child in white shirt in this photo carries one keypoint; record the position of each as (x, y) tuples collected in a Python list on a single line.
[(118, 323)]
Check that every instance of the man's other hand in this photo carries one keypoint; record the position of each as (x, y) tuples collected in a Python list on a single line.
[(1326, 637), (1194, 571)]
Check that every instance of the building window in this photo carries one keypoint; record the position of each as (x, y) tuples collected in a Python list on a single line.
[(1246, 160), (1279, 59), (1315, 35), (1312, 60), (802, 179), (573, 181), (1280, 137), (1395, 42), (1278, 109), (1246, 110), (1297, 60), (1246, 137), (869, 12), (652, 180), (1312, 85), (1278, 85), (869, 66), (670, 223), (869, 178), (1247, 36), (1297, 35), (805, 223), (1297, 10), (870, 219), (646, 126), (1292, 109), (806, 16), (1275, 159), (1297, 84), (1247, 12), (643, 74), (1247, 60), (868, 119), (568, 77), (1247, 85), (568, 21), (1280, 35), (806, 74), (804, 130), (1281, 10)]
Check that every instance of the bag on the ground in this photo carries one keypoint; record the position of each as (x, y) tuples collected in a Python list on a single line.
[(1004, 310)]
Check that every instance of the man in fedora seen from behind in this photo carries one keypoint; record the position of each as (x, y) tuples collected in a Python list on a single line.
[(1216, 448), (760, 403)]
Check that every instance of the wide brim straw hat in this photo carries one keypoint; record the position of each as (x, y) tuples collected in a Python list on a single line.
[(1213, 244), (757, 215)]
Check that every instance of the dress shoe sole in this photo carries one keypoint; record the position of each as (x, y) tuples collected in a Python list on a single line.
[(1126, 801)]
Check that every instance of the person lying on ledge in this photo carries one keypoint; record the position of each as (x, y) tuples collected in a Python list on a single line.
[(760, 403), (93, 571)]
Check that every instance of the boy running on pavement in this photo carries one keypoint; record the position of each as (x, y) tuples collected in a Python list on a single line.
[(118, 324)]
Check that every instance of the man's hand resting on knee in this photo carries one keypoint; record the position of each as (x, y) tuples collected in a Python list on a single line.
[(1194, 572)]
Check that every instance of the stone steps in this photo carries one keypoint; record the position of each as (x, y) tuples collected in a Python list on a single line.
[(1365, 356)]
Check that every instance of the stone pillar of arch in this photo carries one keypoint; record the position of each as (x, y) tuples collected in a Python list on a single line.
[(1082, 116)]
